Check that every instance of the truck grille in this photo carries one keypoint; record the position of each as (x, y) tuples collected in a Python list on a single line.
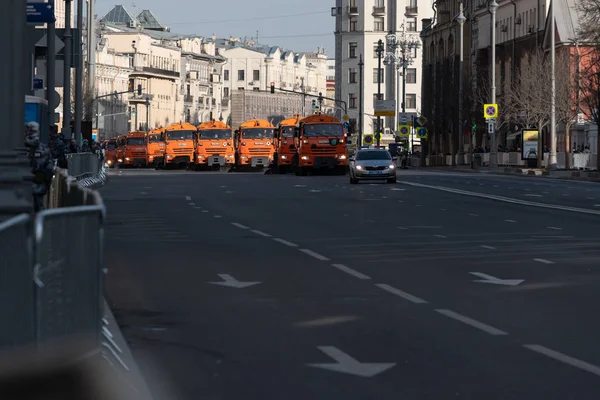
[(216, 150), (182, 151), (324, 150), (138, 154), (258, 150)]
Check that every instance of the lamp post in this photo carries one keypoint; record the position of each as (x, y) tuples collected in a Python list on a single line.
[(147, 114), (493, 6), (552, 162), (360, 100), (379, 51), (460, 18)]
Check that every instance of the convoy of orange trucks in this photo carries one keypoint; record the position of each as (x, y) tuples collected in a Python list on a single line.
[(298, 144), (254, 144), (214, 146)]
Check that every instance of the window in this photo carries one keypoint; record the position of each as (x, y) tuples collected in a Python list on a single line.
[(411, 24), (241, 75), (376, 75), (379, 24), (411, 75), (256, 75), (226, 92), (413, 51), (353, 24), (226, 75), (411, 100), (352, 46), (352, 75), (352, 100)]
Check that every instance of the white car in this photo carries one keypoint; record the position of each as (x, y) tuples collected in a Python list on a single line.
[(372, 164)]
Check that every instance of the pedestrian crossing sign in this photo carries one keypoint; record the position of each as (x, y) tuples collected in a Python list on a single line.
[(404, 131), (422, 133), (368, 139)]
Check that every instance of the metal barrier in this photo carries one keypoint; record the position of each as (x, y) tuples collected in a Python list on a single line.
[(16, 282), (68, 273), (83, 164)]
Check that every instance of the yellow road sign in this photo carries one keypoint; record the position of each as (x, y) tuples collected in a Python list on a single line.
[(404, 130), (368, 139), (490, 111), (422, 133), (345, 118)]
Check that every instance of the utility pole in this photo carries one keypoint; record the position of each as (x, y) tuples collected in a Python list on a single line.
[(66, 128), (15, 192), (360, 101), (51, 69), (79, 76), (493, 147), (552, 162), (379, 54), (460, 18)]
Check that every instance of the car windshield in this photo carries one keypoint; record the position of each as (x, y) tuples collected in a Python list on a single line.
[(373, 155), (154, 138), (215, 134), (257, 133), (181, 135), (313, 130), (136, 141), (287, 131)]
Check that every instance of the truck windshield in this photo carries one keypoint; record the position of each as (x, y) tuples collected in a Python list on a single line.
[(111, 146), (287, 131), (136, 141), (257, 133), (215, 134), (313, 130), (154, 138), (181, 135)]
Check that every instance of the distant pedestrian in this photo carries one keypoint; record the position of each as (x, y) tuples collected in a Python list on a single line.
[(42, 165)]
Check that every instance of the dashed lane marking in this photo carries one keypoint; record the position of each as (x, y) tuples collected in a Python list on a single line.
[(192, 204), (472, 322), (440, 236), (483, 246), (260, 233), (283, 241), (217, 216), (314, 255), (512, 221), (188, 198), (239, 225), (400, 293), (554, 228), (574, 362), (543, 261), (350, 271)]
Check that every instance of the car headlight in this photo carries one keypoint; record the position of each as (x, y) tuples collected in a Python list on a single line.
[(391, 166), (305, 157), (342, 157), (284, 157), (359, 167)]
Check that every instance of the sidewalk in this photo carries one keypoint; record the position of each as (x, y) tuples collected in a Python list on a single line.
[(579, 175)]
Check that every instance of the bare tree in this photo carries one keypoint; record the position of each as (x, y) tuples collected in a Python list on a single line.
[(589, 90), (566, 95), (87, 109), (589, 29), (504, 98)]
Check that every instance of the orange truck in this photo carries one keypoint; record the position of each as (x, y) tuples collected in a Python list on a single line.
[(214, 147), (254, 144), (286, 144), (136, 153), (121, 141), (180, 143), (155, 147), (110, 153), (322, 145)]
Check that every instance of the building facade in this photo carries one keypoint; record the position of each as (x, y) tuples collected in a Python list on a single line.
[(360, 24)]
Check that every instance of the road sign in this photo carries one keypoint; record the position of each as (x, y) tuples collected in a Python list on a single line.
[(345, 118), (491, 128), (40, 13), (422, 133), (404, 131), (420, 121), (384, 108), (368, 139), (490, 111)]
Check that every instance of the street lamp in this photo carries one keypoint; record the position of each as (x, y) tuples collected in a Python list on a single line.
[(379, 51), (552, 161), (360, 100), (460, 18), (493, 6)]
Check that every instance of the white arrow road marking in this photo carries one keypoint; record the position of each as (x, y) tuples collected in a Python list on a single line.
[(348, 365), (496, 281), (397, 190), (230, 281)]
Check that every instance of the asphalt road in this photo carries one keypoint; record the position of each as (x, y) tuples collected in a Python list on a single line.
[(254, 286)]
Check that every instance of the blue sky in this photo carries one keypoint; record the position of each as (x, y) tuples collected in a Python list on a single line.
[(301, 26)]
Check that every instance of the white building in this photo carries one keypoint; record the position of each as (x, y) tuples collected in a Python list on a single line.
[(360, 24)]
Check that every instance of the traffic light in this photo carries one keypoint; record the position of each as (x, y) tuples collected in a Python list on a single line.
[(314, 104), (139, 90), (272, 87)]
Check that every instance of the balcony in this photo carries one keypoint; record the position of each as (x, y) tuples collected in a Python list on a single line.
[(411, 12), (379, 11), (352, 11), (188, 98), (155, 71)]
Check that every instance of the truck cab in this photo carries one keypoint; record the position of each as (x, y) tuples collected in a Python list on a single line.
[(136, 153), (180, 144), (155, 147), (121, 141), (286, 144), (321, 145), (214, 146), (110, 153), (254, 144)]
